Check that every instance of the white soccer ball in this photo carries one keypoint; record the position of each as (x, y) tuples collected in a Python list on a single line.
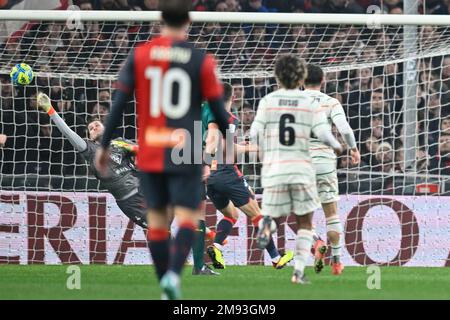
[(273, 225)]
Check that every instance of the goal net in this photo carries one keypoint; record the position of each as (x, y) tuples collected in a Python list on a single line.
[(392, 80)]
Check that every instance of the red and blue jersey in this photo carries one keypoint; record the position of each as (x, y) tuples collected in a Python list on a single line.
[(171, 78)]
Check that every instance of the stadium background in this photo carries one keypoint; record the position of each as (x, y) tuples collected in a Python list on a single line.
[(78, 67)]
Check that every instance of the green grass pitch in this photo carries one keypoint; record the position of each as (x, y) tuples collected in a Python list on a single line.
[(236, 282)]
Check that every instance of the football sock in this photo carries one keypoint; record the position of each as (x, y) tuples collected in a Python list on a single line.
[(181, 246), (158, 244), (334, 225), (336, 252), (302, 249), (199, 245), (271, 249), (223, 229)]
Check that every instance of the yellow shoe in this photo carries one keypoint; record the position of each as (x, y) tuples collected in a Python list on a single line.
[(284, 260), (216, 257)]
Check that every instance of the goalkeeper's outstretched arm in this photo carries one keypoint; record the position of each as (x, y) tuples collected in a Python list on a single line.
[(43, 102)]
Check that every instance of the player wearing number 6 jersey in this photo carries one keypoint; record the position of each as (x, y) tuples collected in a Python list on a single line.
[(284, 122), (170, 78), (324, 163)]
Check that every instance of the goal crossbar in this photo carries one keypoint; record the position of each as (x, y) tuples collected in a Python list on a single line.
[(229, 17)]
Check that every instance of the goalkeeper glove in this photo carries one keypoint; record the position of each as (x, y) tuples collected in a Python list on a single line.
[(43, 102), (124, 145)]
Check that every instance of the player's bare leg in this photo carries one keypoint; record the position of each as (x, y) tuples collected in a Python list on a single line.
[(252, 210), (334, 231), (181, 246), (200, 268), (223, 229), (302, 247)]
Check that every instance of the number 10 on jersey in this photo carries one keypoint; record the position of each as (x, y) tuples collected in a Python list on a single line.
[(162, 92)]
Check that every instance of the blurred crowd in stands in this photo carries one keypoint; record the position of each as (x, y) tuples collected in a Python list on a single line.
[(78, 66)]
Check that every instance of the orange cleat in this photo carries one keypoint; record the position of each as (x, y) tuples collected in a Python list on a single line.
[(337, 268), (320, 248)]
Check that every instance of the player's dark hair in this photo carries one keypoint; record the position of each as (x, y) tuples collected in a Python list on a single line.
[(315, 75), (175, 13), (290, 70), (227, 92)]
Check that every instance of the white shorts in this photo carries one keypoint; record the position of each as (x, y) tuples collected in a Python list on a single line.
[(282, 200), (327, 182)]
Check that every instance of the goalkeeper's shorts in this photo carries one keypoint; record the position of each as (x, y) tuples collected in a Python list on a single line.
[(282, 200), (135, 209), (327, 182)]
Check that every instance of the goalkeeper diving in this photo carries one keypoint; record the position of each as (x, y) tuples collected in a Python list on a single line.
[(121, 179)]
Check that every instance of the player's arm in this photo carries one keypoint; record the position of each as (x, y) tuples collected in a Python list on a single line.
[(322, 130), (44, 103), (212, 138), (212, 91), (121, 97), (339, 119)]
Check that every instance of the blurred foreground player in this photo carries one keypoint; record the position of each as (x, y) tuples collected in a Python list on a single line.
[(170, 78)]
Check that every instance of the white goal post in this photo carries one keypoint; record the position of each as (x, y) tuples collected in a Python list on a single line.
[(230, 17), (390, 72)]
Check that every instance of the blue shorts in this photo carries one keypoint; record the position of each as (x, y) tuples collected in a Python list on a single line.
[(167, 189), (226, 185)]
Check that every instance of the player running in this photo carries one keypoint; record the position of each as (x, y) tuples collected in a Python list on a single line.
[(324, 163), (170, 78), (228, 189), (121, 180), (285, 120)]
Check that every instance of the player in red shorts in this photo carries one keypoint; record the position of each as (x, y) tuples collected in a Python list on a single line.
[(170, 78)]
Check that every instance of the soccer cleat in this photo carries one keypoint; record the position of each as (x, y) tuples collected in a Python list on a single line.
[(263, 236), (284, 260), (320, 248), (210, 235), (299, 278), (204, 271), (216, 257), (337, 268), (170, 284)]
